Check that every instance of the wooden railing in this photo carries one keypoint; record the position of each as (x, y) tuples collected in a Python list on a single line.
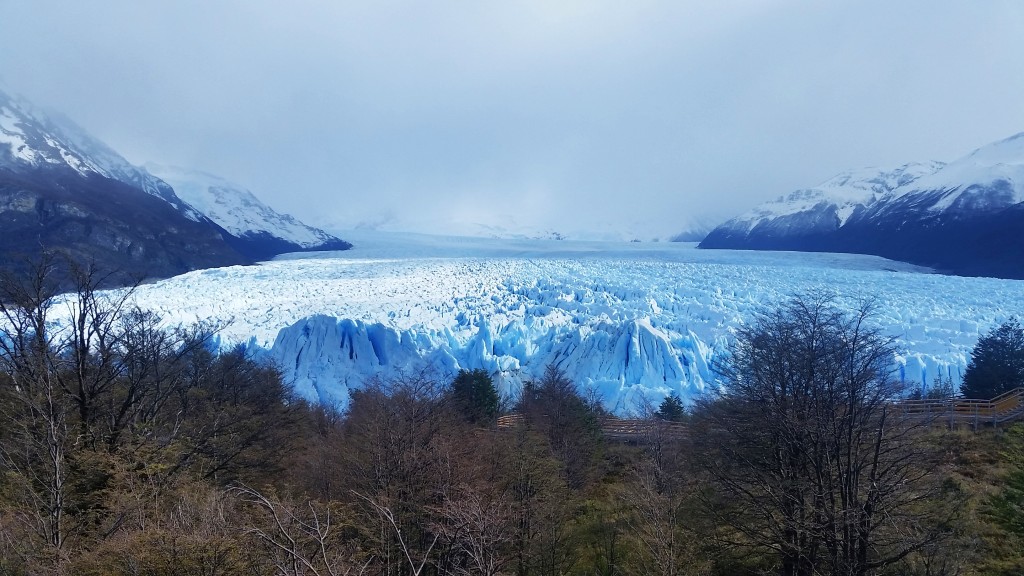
[(1007, 407), (641, 430), (624, 429)]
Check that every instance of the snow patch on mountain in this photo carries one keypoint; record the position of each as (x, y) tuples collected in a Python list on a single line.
[(12, 135), (991, 177), (235, 208)]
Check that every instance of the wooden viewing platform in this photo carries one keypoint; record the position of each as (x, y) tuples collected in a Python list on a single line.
[(1007, 407), (622, 429)]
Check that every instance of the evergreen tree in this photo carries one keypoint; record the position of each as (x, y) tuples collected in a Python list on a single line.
[(671, 408), (475, 396), (997, 362)]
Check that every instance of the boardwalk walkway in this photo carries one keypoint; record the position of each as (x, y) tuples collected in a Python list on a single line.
[(953, 412), (1005, 408), (622, 429)]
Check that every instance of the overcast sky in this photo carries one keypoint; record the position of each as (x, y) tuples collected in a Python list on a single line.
[(563, 113)]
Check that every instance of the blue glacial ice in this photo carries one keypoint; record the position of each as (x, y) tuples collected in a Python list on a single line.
[(629, 321)]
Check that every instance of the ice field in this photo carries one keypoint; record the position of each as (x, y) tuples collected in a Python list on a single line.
[(631, 320)]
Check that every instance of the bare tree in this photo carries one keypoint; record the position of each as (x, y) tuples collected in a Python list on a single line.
[(300, 539), (481, 529), (399, 464), (537, 490), (658, 502), (806, 452), (35, 414), (76, 371), (90, 345), (554, 407), (405, 545)]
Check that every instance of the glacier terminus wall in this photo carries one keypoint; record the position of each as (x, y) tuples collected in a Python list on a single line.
[(625, 363), (629, 322)]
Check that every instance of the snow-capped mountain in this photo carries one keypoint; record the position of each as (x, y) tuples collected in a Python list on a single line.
[(264, 231), (38, 140), (827, 206), (61, 188), (633, 321), (960, 217), (991, 177)]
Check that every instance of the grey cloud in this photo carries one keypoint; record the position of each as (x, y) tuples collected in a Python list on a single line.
[(546, 112)]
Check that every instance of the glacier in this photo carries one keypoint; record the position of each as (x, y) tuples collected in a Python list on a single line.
[(631, 322)]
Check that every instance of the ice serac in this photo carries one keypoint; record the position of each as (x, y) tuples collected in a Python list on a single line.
[(962, 217), (326, 357), (262, 232)]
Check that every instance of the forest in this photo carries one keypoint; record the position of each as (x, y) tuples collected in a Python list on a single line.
[(127, 448)]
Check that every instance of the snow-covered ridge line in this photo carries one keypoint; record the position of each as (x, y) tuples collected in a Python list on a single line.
[(236, 209), (963, 217), (48, 149), (629, 325), (843, 194), (1000, 162), (46, 139)]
